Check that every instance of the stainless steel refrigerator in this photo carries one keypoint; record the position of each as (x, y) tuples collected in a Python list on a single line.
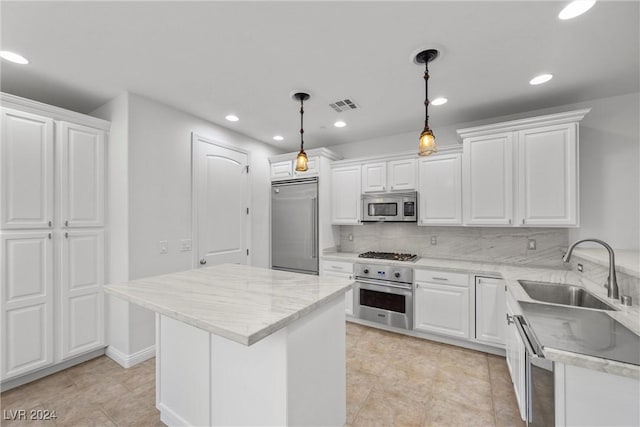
[(294, 226)]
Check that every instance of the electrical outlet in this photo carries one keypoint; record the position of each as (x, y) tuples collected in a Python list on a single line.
[(350, 237), (531, 244), (164, 247), (580, 268), (185, 245), (434, 240)]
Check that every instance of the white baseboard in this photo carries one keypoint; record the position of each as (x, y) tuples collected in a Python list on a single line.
[(129, 360), (169, 417)]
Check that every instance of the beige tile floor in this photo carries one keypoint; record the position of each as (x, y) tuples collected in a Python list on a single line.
[(392, 380)]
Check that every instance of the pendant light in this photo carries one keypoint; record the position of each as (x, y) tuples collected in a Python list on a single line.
[(427, 138), (301, 160)]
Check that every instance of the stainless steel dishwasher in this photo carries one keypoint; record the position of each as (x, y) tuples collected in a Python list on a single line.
[(539, 379)]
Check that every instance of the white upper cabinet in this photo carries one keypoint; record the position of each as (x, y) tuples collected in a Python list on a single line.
[(402, 175), (488, 180), (440, 190), (82, 153), (374, 177), (523, 172), (345, 195), (394, 175), (282, 170), (548, 176), (26, 171)]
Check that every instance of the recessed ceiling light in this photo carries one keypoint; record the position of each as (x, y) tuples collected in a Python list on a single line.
[(278, 137), (232, 118), (542, 78), (339, 124), (576, 8), (439, 101), (13, 57)]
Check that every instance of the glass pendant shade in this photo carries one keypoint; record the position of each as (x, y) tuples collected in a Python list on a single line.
[(427, 143), (301, 161)]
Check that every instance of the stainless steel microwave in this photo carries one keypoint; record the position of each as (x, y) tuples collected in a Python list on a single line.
[(390, 207)]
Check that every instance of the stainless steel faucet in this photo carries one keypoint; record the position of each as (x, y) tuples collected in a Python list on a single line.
[(612, 281)]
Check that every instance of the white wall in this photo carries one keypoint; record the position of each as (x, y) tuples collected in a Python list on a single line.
[(150, 200), (609, 164)]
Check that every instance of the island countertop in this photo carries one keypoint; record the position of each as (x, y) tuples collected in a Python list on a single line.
[(238, 302)]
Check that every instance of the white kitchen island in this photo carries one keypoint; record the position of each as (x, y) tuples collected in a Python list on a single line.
[(240, 345)]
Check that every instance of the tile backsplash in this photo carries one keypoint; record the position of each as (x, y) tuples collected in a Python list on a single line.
[(502, 245)]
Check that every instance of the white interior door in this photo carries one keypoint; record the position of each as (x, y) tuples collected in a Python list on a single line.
[(221, 203)]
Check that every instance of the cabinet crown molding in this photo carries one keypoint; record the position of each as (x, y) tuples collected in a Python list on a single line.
[(56, 113), (521, 124), (323, 152), (442, 150)]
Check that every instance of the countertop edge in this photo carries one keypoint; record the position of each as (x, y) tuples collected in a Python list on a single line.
[(225, 333)]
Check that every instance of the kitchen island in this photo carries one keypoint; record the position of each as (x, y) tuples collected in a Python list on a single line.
[(240, 345)]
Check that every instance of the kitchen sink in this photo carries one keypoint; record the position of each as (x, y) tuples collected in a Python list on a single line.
[(558, 293)]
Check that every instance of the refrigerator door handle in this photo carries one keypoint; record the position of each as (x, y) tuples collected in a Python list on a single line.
[(314, 220)]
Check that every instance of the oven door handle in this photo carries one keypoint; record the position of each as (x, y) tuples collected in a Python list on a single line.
[(530, 342), (386, 285)]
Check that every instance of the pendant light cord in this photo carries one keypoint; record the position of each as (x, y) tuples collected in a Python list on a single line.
[(426, 94), (301, 123)]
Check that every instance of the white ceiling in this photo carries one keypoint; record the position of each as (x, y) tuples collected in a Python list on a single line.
[(215, 58)]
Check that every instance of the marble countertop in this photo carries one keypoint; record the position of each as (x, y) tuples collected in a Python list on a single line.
[(238, 302), (627, 316)]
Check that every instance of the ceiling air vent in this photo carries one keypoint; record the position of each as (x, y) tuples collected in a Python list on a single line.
[(343, 105)]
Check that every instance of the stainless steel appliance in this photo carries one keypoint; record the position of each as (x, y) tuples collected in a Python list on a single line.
[(384, 294), (294, 226), (390, 207), (539, 379)]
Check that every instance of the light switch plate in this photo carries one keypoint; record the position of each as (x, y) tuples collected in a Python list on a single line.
[(185, 245), (164, 246), (531, 244)]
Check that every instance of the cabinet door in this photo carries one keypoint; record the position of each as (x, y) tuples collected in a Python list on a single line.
[(282, 170), (81, 280), (490, 311), (26, 301), (440, 190), (313, 165), (374, 177), (442, 309), (402, 175), (26, 171), (345, 195), (488, 180), (82, 153), (547, 176), (348, 297)]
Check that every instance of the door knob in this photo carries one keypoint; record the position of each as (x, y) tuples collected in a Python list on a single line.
[(203, 261)]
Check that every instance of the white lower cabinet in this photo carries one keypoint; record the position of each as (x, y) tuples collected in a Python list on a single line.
[(27, 302), (441, 303), (82, 277), (515, 354), (343, 270), (490, 311)]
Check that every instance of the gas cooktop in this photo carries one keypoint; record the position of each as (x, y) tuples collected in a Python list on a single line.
[(389, 256)]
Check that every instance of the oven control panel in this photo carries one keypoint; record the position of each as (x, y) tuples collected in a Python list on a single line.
[(387, 273)]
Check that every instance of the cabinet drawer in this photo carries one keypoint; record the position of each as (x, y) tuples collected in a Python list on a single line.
[(442, 277), (338, 266)]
